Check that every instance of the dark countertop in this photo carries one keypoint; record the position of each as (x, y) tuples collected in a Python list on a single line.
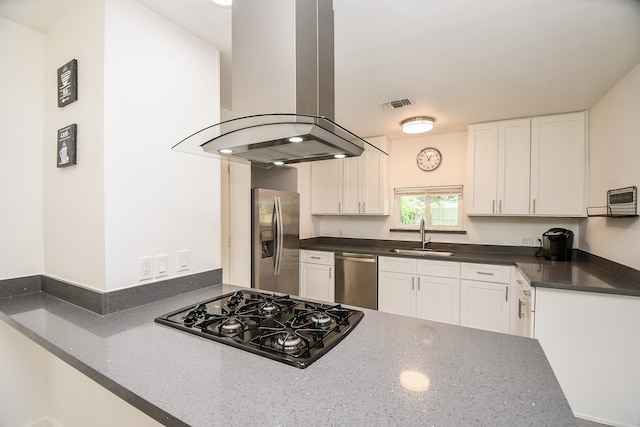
[(584, 273), (469, 376)]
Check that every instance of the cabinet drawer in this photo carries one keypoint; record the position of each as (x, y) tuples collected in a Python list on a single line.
[(438, 268), (397, 264), (486, 272), (316, 257)]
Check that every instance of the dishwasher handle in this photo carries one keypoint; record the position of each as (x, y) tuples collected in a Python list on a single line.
[(356, 257)]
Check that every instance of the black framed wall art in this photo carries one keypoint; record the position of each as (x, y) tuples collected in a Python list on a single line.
[(67, 146), (68, 83)]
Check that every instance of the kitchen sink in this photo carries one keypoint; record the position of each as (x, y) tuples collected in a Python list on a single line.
[(422, 252)]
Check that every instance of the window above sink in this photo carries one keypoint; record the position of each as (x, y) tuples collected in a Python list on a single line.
[(442, 207)]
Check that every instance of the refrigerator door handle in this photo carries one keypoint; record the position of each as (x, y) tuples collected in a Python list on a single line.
[(279, 235)]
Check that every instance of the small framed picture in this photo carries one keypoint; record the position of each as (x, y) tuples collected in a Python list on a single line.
[(67, 140), (68, 83)]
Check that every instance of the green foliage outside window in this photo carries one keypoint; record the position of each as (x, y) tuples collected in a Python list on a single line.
[(442, 210)]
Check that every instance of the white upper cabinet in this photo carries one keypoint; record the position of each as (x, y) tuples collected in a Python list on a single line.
[(326, 187), (528, 166), (559, 165), (353, 186), (499, 168), (482, 187), (514, 147)]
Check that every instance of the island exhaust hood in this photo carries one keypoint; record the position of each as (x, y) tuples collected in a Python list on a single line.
[(283, 88)]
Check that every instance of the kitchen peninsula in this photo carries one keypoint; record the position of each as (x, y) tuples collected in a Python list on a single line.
[(391, 370)]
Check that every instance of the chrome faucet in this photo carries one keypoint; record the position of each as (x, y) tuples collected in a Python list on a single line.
[(422, 234)]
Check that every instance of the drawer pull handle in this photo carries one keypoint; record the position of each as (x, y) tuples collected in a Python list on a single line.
[(484, 273), (315, 257)]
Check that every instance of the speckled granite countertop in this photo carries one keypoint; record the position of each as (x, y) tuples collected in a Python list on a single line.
[(577, 275), (474, 377)]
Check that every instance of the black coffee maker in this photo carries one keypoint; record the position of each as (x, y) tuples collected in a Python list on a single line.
[(557, 244)]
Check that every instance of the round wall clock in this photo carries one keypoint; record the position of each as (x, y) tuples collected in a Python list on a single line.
[(429, 159)]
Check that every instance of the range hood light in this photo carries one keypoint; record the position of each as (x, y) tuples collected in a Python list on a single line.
[(339, 156), (278, 163), (296, 139), (226, 151)]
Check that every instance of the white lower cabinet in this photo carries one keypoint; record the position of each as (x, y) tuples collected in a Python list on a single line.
[(413, 287), (317, 273), (485, 301)]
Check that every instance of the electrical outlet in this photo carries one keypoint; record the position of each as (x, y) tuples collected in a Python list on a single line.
[(146, 268), (183, 260), (162, 265)]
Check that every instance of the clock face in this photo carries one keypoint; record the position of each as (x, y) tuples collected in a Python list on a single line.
[(429, 159)]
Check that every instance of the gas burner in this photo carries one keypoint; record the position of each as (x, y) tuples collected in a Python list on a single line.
[(228, 326), (266, 305), (268, 309), (231, 327), (321, 319), (288, 343)]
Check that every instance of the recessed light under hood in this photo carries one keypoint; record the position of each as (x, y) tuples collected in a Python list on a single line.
[(283, 88)]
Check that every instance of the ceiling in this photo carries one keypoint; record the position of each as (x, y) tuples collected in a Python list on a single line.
[(460, 61)]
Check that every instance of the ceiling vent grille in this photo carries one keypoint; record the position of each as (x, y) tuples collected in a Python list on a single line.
[(396, 103)]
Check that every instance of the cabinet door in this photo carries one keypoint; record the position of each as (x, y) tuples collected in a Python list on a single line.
[(558, 165), (317, 282), (482, 179), (350, 185), (514, 160), (396, 293), (438, 298), (373, 182), (326, 187), (485, 305)]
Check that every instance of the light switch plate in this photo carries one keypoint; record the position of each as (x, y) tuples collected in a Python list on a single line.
[(183, 260), (162, 265)]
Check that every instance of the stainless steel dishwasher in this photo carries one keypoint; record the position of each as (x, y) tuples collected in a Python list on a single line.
[(357, 280)]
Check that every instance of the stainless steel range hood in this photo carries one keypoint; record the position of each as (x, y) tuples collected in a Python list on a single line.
[(283, 88)]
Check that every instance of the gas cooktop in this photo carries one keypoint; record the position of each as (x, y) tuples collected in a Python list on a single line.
[(282, 328)]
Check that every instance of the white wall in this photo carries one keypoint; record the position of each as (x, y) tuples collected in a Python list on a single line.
[(23, 375), (73, 197), (143, 85), (21, 106), (614, 149), (161, 85), (404, 172)]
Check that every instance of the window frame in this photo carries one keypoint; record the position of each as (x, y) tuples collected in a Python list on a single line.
[(428, 191)]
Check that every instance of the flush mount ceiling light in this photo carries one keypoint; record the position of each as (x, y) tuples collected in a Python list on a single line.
[(417, 124)]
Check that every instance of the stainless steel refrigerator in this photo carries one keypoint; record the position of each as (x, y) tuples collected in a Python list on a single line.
[(275, 241)]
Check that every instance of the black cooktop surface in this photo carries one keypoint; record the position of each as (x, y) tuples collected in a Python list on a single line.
[(282, 328)]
